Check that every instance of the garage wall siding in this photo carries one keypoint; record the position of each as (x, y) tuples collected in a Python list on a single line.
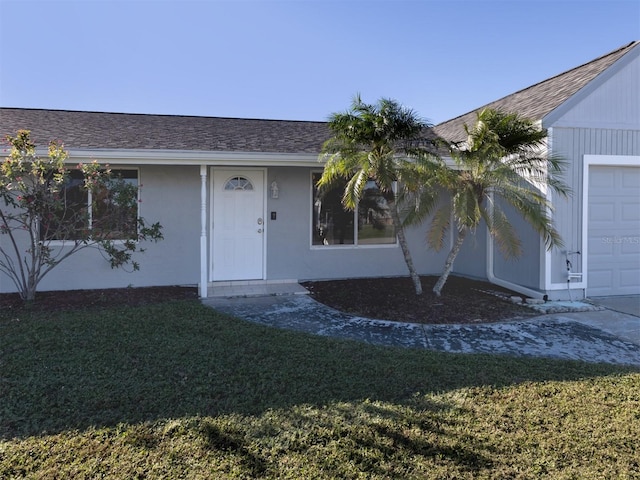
[(573, 144), (613, 105)]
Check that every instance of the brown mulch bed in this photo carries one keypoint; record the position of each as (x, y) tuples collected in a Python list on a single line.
[(462, 301), (75, 299)]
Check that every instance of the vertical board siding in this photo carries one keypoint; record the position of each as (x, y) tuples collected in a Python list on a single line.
[(573, 144), (614, 105)]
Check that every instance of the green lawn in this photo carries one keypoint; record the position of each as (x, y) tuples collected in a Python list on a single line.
[(179, 391)]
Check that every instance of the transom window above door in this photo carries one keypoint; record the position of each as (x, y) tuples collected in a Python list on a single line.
[(238, 183)]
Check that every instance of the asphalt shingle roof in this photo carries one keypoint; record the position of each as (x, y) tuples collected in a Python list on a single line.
[(98, 130), (538, 100), (95, 130)]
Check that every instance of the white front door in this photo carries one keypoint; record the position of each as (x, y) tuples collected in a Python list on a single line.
[(238, 224)]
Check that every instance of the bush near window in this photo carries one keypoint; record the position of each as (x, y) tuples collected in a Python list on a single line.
[(49, 211)]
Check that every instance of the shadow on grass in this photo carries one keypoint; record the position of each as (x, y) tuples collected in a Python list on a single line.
[(78, 369)]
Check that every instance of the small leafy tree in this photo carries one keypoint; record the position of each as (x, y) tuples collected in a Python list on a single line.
[(503, 159), (49, 212)]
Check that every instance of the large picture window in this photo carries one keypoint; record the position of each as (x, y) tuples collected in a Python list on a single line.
[(369, 224), (111, 212)]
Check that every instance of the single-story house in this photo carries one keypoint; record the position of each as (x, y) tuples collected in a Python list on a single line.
[(238, 203)]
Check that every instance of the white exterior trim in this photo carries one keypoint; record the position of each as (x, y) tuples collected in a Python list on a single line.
[(545, 255), (589, 160), (187, 157), (203, 286)]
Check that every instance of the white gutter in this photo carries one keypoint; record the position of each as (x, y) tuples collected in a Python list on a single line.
[(189, 157)]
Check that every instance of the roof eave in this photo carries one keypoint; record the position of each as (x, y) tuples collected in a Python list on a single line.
[(189, 157)]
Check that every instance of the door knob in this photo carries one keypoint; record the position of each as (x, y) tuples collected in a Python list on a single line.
[(260, 221), (259, 230)]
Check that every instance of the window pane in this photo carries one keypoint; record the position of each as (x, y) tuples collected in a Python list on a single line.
[(70, 216), (238, 183), (375, 225), (332, 224), (114, 210)]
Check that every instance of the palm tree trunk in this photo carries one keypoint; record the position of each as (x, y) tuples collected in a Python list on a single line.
[(402, 240), (448, 265)]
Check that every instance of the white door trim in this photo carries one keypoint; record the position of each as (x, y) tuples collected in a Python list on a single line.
[(212, 178), (600, 160), (588, 161)]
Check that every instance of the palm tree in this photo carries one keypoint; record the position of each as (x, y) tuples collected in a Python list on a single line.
[(370, 143), (503, 159)]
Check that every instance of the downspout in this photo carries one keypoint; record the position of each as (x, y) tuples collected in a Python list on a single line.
[(203, 285), (506, 283)]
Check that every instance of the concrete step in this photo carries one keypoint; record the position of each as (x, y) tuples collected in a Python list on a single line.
[(254, 289)]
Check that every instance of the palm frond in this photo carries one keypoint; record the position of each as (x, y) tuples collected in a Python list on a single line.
[(502, 231), (416, 205), (439, 226), (466, 207), (354, 189), (535, 209)]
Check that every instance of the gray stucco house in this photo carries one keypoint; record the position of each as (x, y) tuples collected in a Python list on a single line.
[(237, 199)]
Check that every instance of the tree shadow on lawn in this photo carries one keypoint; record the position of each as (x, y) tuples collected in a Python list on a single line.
[(83, 369)]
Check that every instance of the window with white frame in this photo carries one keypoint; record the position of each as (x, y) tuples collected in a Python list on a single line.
[(369, 224), (110, 212)]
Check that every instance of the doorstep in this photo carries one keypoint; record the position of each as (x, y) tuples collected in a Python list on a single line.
[(255, 288)]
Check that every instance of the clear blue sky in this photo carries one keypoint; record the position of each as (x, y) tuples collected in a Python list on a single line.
[(296, 59)]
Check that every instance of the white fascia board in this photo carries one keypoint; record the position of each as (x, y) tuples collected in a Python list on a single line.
[(190, 157)]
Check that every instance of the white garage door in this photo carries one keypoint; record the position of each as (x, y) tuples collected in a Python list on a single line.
[(614, 231)]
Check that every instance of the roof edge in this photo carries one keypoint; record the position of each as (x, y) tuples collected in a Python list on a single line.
[(187, 157), (168, 115), (631, 46), (555, 114)]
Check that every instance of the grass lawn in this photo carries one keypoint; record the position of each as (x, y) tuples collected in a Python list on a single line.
[(177, 390)]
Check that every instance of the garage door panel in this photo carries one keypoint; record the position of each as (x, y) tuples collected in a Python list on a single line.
[(631, 180), (613, 260), (600, 279), (604, 179), (630, 213), (600, 246), (629, 277), (602, 212)]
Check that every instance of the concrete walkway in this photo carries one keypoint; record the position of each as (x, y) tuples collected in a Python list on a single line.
[(596, 336)]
